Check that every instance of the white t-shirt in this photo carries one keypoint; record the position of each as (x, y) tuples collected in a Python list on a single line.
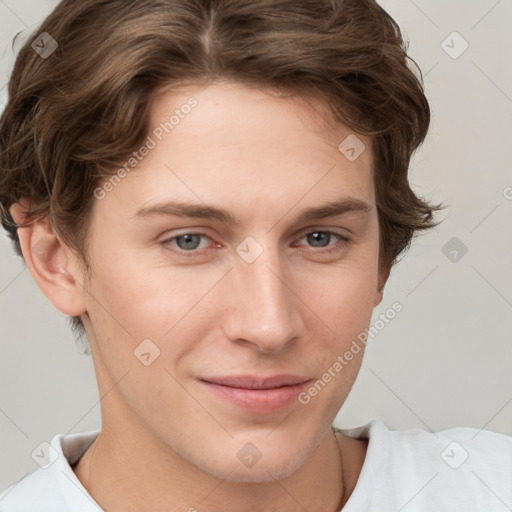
[(455, 470)]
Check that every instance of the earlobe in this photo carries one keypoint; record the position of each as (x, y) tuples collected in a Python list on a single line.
[(47, 258)]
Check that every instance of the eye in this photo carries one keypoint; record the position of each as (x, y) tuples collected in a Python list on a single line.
[(191, 242), (322, 237), (187, 242)]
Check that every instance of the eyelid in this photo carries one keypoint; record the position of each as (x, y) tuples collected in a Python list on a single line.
[(309, 229), (326, 229), (343, 242)]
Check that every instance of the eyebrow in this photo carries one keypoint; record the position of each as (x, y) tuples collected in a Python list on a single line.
[(201, 211)]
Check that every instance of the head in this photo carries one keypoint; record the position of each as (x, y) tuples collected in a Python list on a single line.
[(249, 114)]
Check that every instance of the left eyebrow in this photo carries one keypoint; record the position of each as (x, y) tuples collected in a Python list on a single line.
[(195, 210), (334, 208)]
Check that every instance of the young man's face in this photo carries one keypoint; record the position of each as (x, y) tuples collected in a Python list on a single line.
[(258, 297)]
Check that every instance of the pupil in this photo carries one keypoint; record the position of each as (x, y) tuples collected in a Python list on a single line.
[(316, 238), (186, 245)]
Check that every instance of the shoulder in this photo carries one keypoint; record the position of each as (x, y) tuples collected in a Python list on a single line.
[(454, 446), (53, 487), (30, 493), (457, 467), (462, 464)]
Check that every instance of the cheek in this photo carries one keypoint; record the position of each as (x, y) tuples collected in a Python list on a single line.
[(341, 295), (129, 303), (135, 298)]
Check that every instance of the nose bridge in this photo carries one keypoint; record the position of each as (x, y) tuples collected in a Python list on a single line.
[(263, 304)]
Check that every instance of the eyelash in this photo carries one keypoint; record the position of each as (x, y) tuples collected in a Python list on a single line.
[(344, 241)]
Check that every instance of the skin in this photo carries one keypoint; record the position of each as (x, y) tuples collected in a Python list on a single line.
[(166, 441)]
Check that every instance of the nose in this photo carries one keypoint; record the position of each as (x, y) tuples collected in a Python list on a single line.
[(264, 305)]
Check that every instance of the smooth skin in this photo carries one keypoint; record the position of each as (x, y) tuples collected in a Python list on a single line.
[(167, 442)]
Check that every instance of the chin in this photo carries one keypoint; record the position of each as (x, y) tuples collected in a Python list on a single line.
[(267, 474), (266, 470)]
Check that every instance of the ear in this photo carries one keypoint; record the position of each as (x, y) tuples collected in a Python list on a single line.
[(54, 266), (383, 278)]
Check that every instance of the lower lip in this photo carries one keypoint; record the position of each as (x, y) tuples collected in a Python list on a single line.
[(258, 400)]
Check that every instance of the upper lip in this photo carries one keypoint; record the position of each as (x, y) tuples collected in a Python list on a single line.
[(255, 382)]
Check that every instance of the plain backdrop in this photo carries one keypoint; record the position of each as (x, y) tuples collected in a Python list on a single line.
[(445, 360)]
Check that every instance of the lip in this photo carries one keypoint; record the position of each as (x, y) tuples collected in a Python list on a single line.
[(258, 394), (256, 382)]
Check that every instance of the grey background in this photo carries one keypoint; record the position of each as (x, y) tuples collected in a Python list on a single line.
[(444, 361)]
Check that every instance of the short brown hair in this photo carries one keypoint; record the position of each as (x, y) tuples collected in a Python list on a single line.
[(72, 118)]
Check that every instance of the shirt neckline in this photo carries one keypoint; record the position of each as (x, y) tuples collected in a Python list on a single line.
[(73, 446)]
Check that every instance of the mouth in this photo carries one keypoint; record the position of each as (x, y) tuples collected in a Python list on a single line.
[(257, 394)]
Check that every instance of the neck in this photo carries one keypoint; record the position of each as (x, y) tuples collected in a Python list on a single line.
[(129, 469)]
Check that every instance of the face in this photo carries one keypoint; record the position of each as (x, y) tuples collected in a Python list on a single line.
[(175, 301)]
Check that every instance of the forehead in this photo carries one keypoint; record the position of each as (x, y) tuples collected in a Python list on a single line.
[(249, 148), (231, 110)]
